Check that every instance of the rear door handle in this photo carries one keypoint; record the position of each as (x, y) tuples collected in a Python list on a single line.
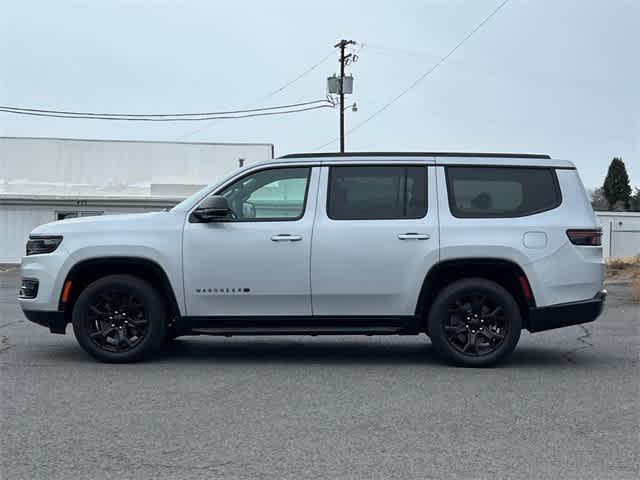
[(414, 236), (285, 237)]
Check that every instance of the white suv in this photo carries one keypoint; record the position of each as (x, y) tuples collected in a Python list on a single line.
[(467, 248)]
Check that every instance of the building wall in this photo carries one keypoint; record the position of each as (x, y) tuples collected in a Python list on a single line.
[(620, 233), (42, 176), (44, 166), (17, 221)]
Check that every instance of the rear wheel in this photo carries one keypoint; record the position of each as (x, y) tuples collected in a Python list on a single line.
[(475, 322), (119, 318)]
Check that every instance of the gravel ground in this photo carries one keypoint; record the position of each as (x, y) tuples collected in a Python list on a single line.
[(565, 407)]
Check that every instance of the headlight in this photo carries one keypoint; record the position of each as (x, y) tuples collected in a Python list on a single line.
[(42, 244)]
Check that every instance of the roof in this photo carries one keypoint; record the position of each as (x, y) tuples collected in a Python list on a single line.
[(415, 154), (435, 158), (607, 213), (108, 140)]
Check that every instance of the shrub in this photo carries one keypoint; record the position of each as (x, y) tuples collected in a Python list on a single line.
[(635, 290)]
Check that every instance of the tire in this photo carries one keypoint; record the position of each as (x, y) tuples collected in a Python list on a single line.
[(474, 322), (119, 319), (170, 336)]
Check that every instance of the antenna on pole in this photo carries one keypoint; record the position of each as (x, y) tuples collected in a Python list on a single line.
[(343, 84)]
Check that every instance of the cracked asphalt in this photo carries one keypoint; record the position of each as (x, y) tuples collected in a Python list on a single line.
[(565, 407)]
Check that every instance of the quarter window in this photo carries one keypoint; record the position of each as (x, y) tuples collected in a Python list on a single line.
[(493, 192), (371, 192), (273, 194)]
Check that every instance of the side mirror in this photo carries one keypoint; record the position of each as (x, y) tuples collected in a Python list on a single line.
[(212, 209)]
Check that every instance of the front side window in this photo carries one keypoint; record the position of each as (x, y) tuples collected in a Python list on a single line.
[(372, 192), (273, 194), (494, 192)]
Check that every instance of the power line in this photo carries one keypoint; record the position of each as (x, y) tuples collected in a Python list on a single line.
[(174, 119), (271, 94), (198, 116), (291, 82), (392, 51), (11, 109), (424, 75)]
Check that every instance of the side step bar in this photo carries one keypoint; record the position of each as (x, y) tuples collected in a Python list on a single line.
[(298, 331), (271, 325)]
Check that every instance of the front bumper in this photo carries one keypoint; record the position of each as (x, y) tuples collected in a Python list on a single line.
[(55, 321), (565, 314)]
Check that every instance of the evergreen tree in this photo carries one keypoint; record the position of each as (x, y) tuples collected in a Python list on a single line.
[(598, 200), (616, 186), (635, 201)]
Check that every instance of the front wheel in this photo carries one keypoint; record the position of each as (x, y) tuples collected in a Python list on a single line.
[(475, 322), (119, 318)]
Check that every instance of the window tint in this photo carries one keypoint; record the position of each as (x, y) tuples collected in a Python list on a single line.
[(501, 191), (273, 194), (377, 192)]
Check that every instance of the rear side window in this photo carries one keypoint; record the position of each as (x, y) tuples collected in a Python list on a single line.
[(373, 192), (494, 192)]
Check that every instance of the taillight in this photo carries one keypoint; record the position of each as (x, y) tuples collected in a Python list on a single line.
[(589, 237)]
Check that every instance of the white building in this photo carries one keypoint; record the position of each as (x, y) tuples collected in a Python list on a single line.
[(47, 179), (620, 233)]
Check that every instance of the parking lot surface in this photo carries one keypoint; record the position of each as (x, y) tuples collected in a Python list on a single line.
[(565, 407)]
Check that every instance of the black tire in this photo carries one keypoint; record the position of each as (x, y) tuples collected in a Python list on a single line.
[(119, 319), (474, 322), (170, 336)]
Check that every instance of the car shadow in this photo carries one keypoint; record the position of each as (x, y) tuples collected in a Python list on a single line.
[(343, 352), (321, 351), (269, 350)]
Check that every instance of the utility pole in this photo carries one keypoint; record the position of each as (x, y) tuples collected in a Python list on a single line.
[(343, 59)]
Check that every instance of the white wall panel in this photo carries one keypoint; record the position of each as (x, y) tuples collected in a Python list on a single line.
[(38, 166), (620, 233), (16, 222)]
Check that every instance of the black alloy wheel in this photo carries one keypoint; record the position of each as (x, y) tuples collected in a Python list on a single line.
[(119, 318), (475, 322)]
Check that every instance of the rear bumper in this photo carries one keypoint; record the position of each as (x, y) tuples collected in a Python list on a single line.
[(565, 314), (55, 321)]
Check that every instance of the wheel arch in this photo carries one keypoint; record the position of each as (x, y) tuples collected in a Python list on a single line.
[(506, 273), (86, 271)]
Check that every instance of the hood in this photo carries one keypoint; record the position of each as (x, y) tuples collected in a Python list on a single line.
[(95, 223)]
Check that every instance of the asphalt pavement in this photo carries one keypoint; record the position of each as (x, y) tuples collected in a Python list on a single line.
[(565, 407)]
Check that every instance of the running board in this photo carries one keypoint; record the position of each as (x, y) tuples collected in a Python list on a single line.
[(297, 331), (271, 325)]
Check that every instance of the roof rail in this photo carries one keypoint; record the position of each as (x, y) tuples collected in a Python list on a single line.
[(416, 154)]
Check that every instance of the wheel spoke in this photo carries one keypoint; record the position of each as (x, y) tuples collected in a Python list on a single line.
[(494, 312), (491, 335), (453, 331), (477, 301), (103, 333), (138, 322), (125, 339), (471, 342), (120, 338), (97, 311)]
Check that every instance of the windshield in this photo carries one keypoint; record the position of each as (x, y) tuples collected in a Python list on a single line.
[(187, 202)]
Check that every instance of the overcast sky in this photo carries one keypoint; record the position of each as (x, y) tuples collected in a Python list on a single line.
[(544, 76)]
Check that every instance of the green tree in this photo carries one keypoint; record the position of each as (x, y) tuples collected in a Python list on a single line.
[(635, 201), (598, 201), (616, 186)]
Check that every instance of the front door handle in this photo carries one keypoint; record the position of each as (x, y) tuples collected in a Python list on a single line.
[(414, 236), (285, 237)]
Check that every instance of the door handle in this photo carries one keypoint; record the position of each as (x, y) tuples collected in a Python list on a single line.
[(414, 236), (285, 237)]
